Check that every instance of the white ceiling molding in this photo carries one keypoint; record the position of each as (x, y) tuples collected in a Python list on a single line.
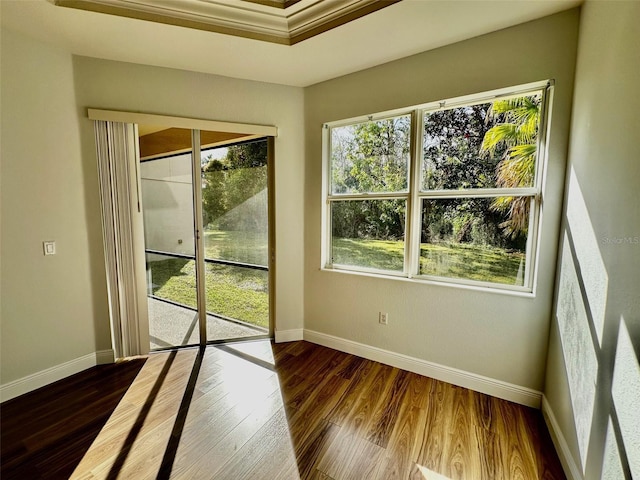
[(277, 21), (274, 3)]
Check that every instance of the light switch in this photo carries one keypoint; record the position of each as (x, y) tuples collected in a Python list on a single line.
[(49, 247)]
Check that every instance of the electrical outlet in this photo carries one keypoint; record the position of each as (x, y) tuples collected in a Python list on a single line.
[(383, 317)]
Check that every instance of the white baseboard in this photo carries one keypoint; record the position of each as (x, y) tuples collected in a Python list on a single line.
[(479, 383), (104, 357), (571, 469), (292, 335), (53, 374)]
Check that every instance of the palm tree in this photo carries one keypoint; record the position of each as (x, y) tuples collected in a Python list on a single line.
[(517, 132)]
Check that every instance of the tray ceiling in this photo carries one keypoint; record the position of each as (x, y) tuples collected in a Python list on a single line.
[(284, 22)]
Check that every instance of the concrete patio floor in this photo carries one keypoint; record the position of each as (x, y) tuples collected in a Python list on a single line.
[(171, 325)]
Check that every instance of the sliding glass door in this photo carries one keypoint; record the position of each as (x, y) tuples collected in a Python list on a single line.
[(206, 225), (166, 179), (235, 218)]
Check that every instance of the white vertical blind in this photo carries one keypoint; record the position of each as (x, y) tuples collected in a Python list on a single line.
[(120, 202)]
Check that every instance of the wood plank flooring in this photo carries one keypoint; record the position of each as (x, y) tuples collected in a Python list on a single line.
[(45, 433), (257, 410)]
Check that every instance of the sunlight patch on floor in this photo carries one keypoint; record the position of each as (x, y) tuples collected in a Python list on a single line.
[(430, 474), (198, 413)]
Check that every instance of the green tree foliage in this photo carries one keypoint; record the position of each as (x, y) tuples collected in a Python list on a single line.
[(370, 157), (240, 178), (515, 133), (452, 141)]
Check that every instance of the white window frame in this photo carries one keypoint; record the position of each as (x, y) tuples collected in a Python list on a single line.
[(414, 195)]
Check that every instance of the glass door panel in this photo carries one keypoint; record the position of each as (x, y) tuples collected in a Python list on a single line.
[(235, 218), (167, 203)]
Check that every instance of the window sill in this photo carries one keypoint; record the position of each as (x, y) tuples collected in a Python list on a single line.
[(446, 283)]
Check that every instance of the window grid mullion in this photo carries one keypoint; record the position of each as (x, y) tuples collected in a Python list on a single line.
[(413, 222), (481, 193), (368, 196), (326, 247), (535, 207)]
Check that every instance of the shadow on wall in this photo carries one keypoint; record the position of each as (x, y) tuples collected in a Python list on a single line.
[(600, 354)]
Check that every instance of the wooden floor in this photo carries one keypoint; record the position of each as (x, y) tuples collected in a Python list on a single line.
[(260, 411), (45, 433)]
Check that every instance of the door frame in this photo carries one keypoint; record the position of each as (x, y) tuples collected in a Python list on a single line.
[(251, 131), (199, 232)]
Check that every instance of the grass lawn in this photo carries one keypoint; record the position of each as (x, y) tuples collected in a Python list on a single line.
[(246, 247), (456, 260), (234, 292), (473, 262), (379, 254)]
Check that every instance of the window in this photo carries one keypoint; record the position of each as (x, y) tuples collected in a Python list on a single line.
[(449, 191)]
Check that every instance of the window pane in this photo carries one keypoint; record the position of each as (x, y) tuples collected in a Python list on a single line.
[(235, 216), (368, 233), (371, 156), (238, 293), (172, 279), (171, 290), (490, 145), (167, 202), (480, 239), (235, 203)]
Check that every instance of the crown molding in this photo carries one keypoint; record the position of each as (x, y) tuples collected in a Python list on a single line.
[(275, 3), (285, 22)]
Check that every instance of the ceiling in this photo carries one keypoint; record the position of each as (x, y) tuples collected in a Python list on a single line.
[(398, 30)]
